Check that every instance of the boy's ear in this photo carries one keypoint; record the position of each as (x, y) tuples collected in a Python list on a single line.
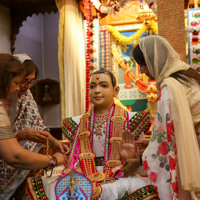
[(116, 90)]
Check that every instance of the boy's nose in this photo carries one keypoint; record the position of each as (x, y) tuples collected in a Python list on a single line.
[(97, 89)]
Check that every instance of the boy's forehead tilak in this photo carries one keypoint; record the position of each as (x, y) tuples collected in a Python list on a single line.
[(98, 78)]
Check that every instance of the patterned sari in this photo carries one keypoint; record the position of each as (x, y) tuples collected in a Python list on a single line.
[(27, 116)]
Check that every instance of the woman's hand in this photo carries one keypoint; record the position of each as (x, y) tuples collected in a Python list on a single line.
[(41, 137), (61, 158), (58, 146), (127, 147), (33, 135)]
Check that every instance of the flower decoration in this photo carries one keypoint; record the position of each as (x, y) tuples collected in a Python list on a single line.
[(123, 40)]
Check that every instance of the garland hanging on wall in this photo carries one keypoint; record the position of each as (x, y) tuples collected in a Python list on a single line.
[(123, 40)]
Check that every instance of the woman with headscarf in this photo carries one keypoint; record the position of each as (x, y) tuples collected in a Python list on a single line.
[(172, 158)]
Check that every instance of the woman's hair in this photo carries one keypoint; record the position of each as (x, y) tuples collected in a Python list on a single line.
[(30, 67), (104, 71), (9, 68), (138, 55), (185, 76)]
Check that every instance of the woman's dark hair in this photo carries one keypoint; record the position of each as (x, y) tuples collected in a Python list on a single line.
[(185, 76), (104, 71), (9, 68), (30, 67), (138, 55)]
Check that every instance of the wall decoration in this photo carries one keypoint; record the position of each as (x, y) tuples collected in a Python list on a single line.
[(193, 29)]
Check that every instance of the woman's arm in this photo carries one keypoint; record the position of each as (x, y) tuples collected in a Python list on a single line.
[(41, 137), (32, 135), (16, 156)]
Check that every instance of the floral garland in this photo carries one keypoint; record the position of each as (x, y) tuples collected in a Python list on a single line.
[(123, 40), (152, 5)]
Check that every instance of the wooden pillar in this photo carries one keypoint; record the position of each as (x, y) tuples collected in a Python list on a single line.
[(171, 24)]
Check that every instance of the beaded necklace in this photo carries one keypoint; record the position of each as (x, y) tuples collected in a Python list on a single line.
[(107, 130)]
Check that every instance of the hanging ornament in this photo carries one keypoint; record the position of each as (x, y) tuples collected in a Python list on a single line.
[(88, 52)]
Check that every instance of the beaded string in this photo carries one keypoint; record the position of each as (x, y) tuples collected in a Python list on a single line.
[(47, 147)]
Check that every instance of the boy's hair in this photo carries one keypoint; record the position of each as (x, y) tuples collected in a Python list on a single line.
[(104, 71), (9, 68)]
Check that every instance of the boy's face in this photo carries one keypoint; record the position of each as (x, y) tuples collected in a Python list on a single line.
[(101, 90)]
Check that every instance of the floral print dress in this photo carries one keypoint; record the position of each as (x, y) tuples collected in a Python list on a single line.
[(159, 159)]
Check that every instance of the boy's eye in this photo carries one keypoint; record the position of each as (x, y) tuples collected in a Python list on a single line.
[(104, 86)]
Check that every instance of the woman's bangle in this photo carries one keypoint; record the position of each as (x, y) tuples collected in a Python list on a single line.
[(52, 163)]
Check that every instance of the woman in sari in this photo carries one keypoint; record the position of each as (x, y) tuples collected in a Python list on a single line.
[(11, 153), (172, 158)]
